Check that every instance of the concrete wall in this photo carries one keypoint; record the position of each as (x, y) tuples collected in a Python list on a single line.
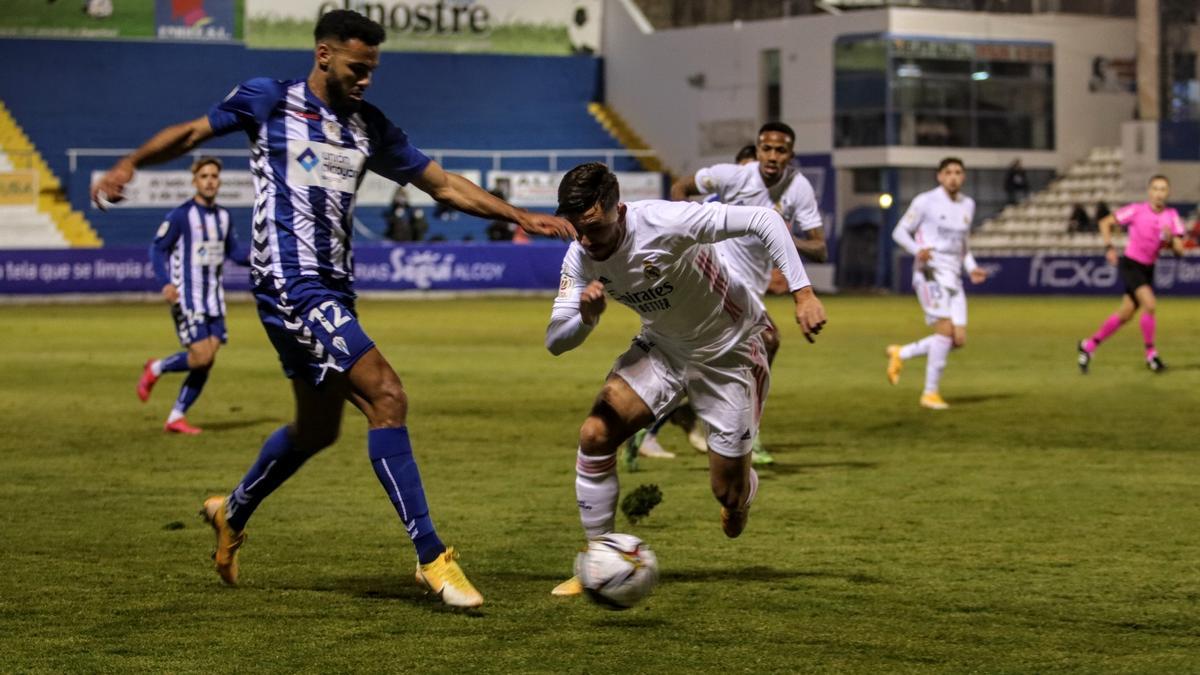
[(1140, 162), (647, 79)]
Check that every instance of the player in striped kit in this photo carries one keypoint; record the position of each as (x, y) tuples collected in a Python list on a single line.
[(702, 332), (310, 141), (188, 256), (936, 229)]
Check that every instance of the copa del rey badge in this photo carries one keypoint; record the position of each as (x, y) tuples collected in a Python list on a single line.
[(333, 130)]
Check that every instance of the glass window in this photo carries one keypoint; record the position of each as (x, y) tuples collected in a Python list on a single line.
[(858, 55), (955, 93), (865, 90), (857, 130), (933, 129), (931, 94), (1011, 131)]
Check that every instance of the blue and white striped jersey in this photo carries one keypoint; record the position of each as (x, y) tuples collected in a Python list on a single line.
[(189, 251), (307, 162)]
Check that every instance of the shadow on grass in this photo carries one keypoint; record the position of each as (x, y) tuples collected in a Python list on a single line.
[(387, 587), (631, 618), (981, 398), (1183, 366), (763, 573), (789, 468), (230, 425)]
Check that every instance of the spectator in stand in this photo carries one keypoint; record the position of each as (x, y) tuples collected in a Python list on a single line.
[(404, 223), (1079, 220), (498, 230), (1016, 183)]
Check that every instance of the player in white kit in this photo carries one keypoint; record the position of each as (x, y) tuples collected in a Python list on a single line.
[(936, 229), (771, 181), (702, 332)]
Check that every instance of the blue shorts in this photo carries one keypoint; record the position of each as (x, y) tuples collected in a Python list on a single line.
[(197, 328), (313, 326)]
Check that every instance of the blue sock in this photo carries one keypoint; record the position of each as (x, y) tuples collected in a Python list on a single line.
[(392, 458), (276, 462), (658, 423), (175, 363), (193, 384)]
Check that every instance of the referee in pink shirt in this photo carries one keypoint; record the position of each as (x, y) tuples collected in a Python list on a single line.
[(1151, 224)]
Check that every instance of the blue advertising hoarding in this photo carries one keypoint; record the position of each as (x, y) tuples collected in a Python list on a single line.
[(1069, 275), (384, 268)]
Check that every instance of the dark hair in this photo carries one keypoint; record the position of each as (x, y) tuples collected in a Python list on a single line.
[(947, 161), (585, 186), (779, 127), (345, 24), (203, 161), (747, 152), (1158, 176)]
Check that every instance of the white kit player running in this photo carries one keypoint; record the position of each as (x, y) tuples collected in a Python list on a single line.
[(702, 332), (935, 230), (772, 182)]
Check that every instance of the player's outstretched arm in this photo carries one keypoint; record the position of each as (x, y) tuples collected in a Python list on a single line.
[(683, 188), (810, 313), (977, 274), (1175, 233), (462, 194), (814, 248), (769, 227), (164, 146), (902, 234), (1105, 225)]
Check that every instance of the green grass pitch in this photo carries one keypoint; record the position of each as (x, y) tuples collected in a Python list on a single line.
[(1047, 522)]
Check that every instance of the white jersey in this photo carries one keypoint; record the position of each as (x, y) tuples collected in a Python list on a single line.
[(667, 270), (937, 222), (792, 197)]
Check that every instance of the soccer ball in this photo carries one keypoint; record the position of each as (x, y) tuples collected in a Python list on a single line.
[(617, 570)]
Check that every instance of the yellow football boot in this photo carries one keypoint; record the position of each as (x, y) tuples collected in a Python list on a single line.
[(895, 364), (228, 541), (568, 588), (933, 401), (445, 579)]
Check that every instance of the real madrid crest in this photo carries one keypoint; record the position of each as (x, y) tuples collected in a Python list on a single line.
[(650, 270)]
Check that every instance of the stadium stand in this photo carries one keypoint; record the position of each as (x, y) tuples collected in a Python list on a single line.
[(116, 93), (1040, 223), (34, 212)]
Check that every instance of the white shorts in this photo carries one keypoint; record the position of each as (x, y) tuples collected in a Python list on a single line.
[(727, 392), (940, 301)]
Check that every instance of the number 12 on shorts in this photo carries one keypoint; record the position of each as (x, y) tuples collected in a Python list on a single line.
[(334, 321)]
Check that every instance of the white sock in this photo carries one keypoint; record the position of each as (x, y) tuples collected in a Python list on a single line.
[(596, 489), (753, 488), (156, 367), (175, 415), (938, 351), (918, 348)]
